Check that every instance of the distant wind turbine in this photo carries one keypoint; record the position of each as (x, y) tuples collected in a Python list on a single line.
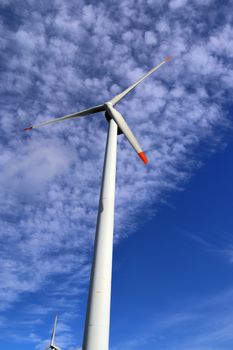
[(96, 334), (52, 345)]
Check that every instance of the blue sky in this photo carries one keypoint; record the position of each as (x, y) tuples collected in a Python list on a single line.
[(172, 274)]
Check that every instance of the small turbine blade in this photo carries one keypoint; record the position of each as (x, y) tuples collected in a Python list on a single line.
[(83, 113), (126, 131), (118, 97), (54, 330)]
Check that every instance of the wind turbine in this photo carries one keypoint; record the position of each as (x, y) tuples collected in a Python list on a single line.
[(96, 333), (52, 346)]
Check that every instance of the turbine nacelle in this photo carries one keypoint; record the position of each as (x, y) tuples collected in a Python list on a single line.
[(54, 347), (111, 112)]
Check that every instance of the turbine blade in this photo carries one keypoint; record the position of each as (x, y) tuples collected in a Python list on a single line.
[(83, 113), (126, 131), (54, 330), (118, 97)]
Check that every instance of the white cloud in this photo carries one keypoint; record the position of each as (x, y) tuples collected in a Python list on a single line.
[(221, 43), (150, 38), (176, 4)]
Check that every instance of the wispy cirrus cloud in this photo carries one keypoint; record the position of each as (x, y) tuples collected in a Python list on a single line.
[(60, 57), (223, 249), (204, 324)]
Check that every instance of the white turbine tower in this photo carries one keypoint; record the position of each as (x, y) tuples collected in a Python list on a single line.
[(52, 345), (96, 334)]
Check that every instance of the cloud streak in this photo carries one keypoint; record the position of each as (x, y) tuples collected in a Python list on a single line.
[(201, 325)]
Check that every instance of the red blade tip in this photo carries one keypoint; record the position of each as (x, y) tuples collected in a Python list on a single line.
[(168, 58), (143, 157), (27, 129)]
